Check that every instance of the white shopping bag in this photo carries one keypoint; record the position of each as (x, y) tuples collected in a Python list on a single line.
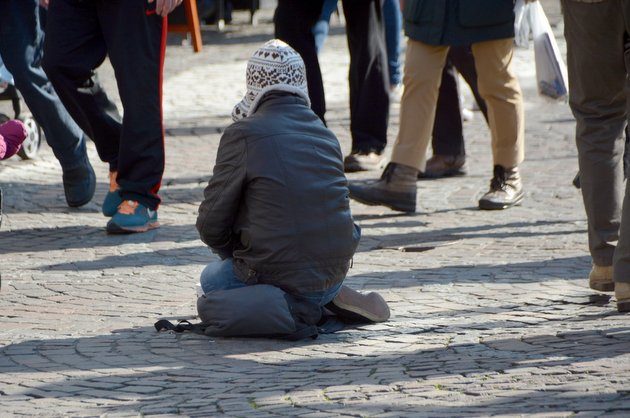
[(521, 24), (551, 72)]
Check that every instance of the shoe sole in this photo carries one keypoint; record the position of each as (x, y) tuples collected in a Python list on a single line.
[(399, 208), (350, 301), (118, 230), (603, 286), (623, 305), (485, 205)]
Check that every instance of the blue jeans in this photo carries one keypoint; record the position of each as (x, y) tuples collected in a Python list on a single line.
[(219, 275), (393, 26), (21, 40), (320, 30)]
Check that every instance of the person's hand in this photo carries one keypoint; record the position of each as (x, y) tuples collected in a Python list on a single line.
[(44, 3), (163, 7)]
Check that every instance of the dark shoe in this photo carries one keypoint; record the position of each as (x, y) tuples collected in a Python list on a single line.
[(622, 293), (132, 217), (506, 189), (396, 189), (600, 278), (79, 184), (352, 306), (361, 162), (113, 199), (440, 166), (576, 181)]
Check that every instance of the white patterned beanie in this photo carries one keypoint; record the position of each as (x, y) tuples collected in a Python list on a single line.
[(275, 66)]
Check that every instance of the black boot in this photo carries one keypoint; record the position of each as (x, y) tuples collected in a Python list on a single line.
[(396, 189), (79, 184), (506, 189)]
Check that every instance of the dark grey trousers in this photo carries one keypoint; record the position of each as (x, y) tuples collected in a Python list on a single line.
[(598, 82)]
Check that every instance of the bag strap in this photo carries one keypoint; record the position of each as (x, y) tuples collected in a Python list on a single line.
[(183, 325)]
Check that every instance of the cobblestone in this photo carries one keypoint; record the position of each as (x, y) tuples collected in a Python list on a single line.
[(491, 311)]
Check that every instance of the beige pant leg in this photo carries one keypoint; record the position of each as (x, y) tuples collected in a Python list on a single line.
[(421, 81), (499, 87)]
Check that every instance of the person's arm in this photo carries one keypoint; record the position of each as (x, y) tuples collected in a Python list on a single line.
[(222, 196)]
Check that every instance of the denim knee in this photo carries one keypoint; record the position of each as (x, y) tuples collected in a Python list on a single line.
[(219, 275)]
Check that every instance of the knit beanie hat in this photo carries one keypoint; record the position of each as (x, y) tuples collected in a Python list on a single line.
[(275, 66)]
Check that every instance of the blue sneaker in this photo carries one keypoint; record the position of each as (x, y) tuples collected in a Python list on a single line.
[(132, 217), (112, 198)]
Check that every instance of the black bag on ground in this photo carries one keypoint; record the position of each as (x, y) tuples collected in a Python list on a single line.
[(252, 311)]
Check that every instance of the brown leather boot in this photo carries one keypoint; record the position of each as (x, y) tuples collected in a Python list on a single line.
[(506, 189), (622, 293), (352, 306), (440, 166), (601, 278), (396, 189)]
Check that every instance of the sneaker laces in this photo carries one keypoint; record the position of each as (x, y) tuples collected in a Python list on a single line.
[(499, 179), (127, 207)]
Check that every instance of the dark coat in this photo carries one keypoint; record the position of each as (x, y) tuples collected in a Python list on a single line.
[(278, 199), (458, 22)]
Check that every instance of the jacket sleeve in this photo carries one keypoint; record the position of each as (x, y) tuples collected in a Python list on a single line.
[(222, 196)]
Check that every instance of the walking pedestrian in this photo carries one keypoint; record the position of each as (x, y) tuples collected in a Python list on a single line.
[(368, 75), (595, 31), (431, 30), (132, 33), (21, 48)]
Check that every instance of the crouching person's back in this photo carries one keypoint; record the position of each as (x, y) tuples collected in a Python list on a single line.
[(277, 209)]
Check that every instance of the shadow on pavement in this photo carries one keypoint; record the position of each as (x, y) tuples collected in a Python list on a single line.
[(141, 370), (569, 268), (65, 237), (427, 236)]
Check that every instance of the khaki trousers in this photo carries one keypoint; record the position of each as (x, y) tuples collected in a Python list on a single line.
[(497, 85)]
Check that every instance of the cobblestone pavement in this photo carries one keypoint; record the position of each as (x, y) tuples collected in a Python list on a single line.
[(491, 310)]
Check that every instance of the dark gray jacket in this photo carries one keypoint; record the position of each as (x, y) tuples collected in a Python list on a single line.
[(278, 199), (458, 22)]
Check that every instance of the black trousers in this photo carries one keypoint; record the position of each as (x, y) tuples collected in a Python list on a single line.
[(79, 35), (448, 133), (368, 78)]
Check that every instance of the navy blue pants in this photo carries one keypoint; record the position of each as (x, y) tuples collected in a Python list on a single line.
[(21, 48), (79, 35)]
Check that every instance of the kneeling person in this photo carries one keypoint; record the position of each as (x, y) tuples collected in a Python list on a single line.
[(276, 209)]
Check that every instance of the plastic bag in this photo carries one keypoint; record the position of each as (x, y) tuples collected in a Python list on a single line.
[(551, 72), (521, 24)]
